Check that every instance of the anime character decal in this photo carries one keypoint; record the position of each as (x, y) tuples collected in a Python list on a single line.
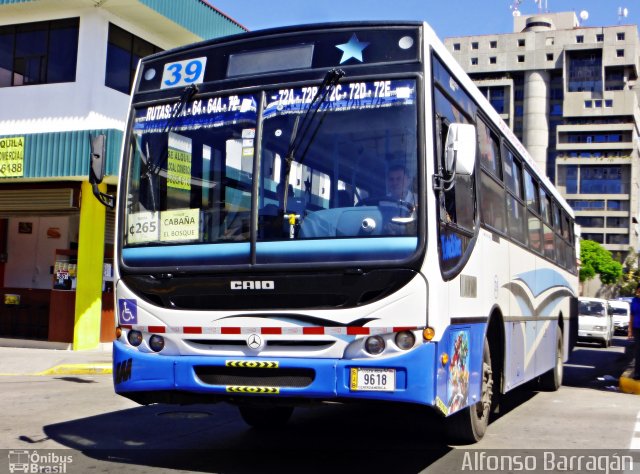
[(458, 376)]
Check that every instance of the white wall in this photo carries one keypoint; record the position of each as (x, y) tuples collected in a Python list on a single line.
[(82, 105)]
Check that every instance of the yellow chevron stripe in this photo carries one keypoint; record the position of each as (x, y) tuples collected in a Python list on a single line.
[(256, 390), (252, 364)]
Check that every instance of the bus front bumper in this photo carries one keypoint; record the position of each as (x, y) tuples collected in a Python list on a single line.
[(149, 378)]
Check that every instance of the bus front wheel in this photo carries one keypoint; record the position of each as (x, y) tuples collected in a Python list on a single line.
[(469, 424), (265, 416)]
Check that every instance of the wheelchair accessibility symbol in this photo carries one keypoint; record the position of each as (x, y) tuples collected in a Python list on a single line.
[(128, 311)]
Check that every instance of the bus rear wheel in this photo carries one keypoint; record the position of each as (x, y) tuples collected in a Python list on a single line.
[(470, 424), (552, 380), (265, 416)]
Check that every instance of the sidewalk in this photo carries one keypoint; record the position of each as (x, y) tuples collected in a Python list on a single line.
[(51, 360)]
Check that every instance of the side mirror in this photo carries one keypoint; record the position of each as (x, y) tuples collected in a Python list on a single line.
[(96, 172), (460, 149), (96, 169)]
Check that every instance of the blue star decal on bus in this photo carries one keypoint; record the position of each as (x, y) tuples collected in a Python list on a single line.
[(352, 49)]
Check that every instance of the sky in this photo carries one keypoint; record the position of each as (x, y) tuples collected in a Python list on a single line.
[(447, 18)]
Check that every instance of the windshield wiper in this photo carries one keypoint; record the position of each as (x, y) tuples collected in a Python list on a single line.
[(303, 128), (187, 95), (152, 169)]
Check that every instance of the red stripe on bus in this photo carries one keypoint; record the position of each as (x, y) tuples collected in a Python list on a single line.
[(353, 330), (313, 330), (229, 330), (192, 330), (271, 330), (160, 329)]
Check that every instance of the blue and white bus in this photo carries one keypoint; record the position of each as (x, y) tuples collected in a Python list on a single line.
[(333, 213)]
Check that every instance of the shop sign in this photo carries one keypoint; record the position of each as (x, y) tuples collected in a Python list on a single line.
[(11, 157)]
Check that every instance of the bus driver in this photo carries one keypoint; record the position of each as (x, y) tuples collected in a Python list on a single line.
[(399, 191), (398, 185)]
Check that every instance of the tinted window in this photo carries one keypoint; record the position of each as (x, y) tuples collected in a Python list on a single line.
[(549, 242), (535, 233), (513, 173), (39, 53), (124, 50), (545, 206), (531, 192), (516, 219), (457, 209), (61, 64), (492, 204), (489, 149)]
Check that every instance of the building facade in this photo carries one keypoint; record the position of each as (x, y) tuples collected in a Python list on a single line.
[(569, 93), (66, 69)]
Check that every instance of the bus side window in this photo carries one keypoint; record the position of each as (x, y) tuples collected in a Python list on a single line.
[(515, 206), (532, 199), (489, 148), (456, 209), (493, 200), (492, 203), (456, 198)]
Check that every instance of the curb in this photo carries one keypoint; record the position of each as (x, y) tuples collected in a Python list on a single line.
[(73, 369), (78, 369), (629, 385)]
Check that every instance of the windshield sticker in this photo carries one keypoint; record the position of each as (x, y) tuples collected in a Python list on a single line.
[(179, 162), (249, 133), (180, 225), (351, 96), (142, 227), (200, 113)]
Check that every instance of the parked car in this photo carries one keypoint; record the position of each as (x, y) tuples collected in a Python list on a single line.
[(595, 323), (621, 313)]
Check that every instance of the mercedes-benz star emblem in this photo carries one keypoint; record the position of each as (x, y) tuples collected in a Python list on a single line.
[(254, 341)]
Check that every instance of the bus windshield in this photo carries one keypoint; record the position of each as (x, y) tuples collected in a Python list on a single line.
[(349, 164)]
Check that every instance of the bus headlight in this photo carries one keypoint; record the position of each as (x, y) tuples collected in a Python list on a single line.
[(374, 345), (135, 338), (156, 343), (405, 340)]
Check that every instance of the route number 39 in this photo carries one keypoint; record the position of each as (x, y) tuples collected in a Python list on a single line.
[(183, 73)]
